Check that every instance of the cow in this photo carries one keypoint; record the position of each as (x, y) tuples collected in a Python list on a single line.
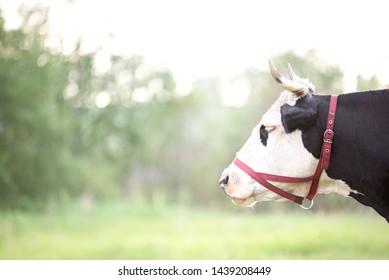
[(308, 143)]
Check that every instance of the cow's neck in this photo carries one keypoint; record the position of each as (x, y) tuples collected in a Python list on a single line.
[(360, 154)]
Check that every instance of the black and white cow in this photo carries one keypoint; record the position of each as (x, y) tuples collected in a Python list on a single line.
[(288, 142)]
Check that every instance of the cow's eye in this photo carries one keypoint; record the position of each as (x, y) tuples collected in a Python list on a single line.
[(264, 133)]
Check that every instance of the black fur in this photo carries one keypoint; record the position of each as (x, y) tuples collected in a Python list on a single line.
[(360, 151)]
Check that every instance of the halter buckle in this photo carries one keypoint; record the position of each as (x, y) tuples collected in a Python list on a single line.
[(329, 138)]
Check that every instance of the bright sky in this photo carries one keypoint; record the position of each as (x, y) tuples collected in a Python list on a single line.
[(200, 38)]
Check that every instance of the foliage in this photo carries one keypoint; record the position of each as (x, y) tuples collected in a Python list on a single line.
[(33, 119), (57, 138)]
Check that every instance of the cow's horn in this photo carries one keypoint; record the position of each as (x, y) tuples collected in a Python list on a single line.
[(292, 74), (293, 86)]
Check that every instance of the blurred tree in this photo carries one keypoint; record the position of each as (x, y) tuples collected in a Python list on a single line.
[(68, 128), (33, 118), (367, 83)]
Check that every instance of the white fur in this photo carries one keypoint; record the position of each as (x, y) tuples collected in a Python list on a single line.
[(283, 155)]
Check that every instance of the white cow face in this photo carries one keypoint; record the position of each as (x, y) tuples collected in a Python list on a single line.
[(272, 149)]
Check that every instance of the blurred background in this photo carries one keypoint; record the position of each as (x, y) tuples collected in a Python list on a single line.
[(118, 117)]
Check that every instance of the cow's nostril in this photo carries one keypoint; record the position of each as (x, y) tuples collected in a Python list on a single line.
[(223, 181)]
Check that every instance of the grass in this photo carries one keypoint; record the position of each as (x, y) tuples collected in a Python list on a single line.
[(122, 231)]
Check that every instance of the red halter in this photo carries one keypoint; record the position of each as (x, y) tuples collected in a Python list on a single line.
[(305, 202)]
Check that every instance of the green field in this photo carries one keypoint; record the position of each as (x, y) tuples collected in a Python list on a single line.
[(122, 231)]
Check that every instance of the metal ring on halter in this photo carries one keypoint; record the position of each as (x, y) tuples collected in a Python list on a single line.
[(306, 204)]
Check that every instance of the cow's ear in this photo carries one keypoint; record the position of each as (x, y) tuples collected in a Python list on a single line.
[(298, 117)]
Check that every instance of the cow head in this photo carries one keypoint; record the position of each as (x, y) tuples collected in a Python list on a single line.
[(276, 145)]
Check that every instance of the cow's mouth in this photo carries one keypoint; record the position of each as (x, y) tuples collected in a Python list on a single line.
[(244, 202)]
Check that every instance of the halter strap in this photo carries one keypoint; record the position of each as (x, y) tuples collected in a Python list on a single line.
[(305, 202)]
